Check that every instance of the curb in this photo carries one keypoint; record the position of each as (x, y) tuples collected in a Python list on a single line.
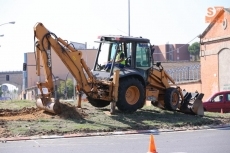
[(153, 131)]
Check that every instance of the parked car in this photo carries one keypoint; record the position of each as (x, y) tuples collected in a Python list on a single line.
[(218, 101)]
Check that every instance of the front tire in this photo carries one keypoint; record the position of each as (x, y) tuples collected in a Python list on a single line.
[(131, 95), (171, 99)]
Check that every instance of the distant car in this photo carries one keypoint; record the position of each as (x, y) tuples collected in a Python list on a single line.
[(218, 101), (5, 98)]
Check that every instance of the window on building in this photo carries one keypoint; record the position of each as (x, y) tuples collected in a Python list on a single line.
[(178, 57), (178, 51)]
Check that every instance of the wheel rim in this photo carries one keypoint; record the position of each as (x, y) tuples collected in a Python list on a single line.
[(175, 99), (132, 95)]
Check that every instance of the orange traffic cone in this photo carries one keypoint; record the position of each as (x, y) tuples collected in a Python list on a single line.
[(152, 148)]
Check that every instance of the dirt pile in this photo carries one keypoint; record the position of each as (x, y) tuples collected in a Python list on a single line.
[(69, 111)]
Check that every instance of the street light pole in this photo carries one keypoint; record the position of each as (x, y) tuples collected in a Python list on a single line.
[(8, 23), (129, 25), (129, 17), (13, 22)]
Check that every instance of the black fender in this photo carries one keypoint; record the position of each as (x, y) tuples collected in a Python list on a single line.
[(136, 73)]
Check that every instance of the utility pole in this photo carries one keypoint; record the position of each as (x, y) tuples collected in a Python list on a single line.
[(129, 26), (129, 17)]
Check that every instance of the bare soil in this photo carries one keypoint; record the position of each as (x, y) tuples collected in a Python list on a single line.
[(30, 121), (68, 111), (29, 114)]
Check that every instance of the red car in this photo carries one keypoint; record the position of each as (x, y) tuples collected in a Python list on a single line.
[(218, 101)]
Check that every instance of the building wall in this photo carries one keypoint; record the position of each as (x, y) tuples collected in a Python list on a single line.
[(159, 53), (192, 86), (181, 52), (169, 52), (215, 57), (209, 75)]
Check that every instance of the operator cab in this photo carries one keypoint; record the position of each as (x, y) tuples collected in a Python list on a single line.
[(137, 47)]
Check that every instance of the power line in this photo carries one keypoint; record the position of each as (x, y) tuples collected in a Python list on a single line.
[(122, 31), (178, 47)]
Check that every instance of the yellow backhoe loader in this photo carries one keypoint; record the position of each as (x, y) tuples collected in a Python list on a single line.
[(127, 87)]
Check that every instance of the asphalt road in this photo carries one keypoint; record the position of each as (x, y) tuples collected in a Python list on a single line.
[(202, 141)]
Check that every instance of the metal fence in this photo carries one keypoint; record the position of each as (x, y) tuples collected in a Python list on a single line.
[(186, 73)]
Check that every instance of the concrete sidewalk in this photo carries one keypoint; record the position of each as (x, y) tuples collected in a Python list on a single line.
[(153, 131)]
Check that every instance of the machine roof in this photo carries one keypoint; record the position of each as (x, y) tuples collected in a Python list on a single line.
[(121, 38)]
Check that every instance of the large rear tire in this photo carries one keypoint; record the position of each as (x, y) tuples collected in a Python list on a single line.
[(171, 99), (98, 102), (131, 95)]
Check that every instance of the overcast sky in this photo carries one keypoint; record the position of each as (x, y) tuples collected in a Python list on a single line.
[(162, 21)]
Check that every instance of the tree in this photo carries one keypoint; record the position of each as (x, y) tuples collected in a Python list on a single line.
[(66, 88), (194, 49)]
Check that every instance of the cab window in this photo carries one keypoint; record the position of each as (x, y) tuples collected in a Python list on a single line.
[(228, 97), (142, 55), (218, 98)]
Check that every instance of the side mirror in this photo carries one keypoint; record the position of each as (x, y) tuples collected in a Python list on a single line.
[(158, 64)]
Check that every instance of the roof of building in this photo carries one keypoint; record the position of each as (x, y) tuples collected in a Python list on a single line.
[(227, 10), (214, 21)]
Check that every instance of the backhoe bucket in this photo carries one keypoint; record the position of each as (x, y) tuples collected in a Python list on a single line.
[(49, 105), (192, 104)]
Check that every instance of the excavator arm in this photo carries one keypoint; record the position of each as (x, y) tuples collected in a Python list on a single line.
[(71, 58)]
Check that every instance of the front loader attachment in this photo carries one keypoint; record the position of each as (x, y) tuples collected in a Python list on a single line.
[(192, 103)]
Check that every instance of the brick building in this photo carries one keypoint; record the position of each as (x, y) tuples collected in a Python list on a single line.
[(215, 54), (171, 52)]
